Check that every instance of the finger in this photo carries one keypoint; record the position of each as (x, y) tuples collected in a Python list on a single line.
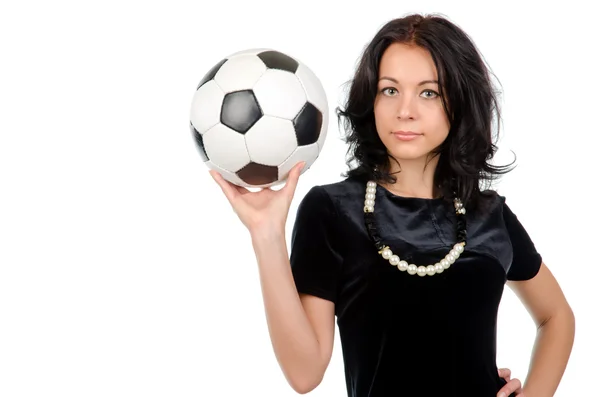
[(292, 179), (514, 385), (227, 187), (504, 373), (240, 189)]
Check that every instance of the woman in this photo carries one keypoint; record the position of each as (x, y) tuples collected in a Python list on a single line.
[(407, 251)]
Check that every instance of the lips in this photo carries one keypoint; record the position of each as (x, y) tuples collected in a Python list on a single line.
[(405, 133)]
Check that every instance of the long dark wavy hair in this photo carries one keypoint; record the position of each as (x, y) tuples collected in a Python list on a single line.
[(468, 96)]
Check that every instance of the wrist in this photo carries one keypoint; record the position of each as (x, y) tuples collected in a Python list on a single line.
[(267, 235), (269, 247)]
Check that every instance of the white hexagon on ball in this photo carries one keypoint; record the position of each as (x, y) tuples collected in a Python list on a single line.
[(315, 93), (206, 106), (227, 175), (229, 77), (271, 141), (307, 153), (249, 51), (226, 148), (280, 94)]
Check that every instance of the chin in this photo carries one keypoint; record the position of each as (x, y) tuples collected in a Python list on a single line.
[(409, 154)]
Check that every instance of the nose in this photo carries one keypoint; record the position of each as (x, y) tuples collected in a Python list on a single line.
[(406, 110)]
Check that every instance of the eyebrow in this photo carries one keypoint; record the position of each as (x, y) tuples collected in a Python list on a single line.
[(421, 83)]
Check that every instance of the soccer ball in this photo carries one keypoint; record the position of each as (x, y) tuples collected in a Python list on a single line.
[(256, 114)]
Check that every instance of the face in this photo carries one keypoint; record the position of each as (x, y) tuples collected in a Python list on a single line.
[(409, 114)]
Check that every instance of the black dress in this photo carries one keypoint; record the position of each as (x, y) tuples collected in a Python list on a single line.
[(401, 334)]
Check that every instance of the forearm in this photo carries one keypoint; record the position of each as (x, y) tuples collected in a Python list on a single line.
[(550, 355), (293, 338)]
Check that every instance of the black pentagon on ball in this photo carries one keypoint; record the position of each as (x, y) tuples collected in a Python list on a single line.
[(308, 124), (277, 60), (258, 174), (199, 143), (240, 111), (211, 73)]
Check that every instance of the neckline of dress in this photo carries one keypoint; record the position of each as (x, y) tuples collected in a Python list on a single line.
[(393, 195)]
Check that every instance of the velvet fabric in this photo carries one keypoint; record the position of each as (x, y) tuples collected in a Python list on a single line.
[(401, 334)]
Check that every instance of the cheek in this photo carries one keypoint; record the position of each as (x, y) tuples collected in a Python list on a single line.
[(437, 124), (381, 118)]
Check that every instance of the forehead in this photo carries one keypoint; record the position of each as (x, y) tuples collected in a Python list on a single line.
[(407, 64)]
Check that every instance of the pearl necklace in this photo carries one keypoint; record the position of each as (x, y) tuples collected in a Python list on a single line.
[(402, 265)]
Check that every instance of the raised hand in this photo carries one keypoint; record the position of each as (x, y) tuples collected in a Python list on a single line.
[(267, 208)]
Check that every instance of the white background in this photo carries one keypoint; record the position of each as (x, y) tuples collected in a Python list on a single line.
[(123, 270)]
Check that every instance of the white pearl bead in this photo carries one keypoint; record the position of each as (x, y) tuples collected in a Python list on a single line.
[(445, 263), (450, 259), (371, 184), (394, 260), (403, 265), (439, 268), (370, 203), (370, 196), (421, 271), (459, 248), (430, 270), (371, 190), (453, 254), (387, 253), (412, 269)]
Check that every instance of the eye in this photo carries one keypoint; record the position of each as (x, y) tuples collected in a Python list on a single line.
[(431, 94), (389, 91)]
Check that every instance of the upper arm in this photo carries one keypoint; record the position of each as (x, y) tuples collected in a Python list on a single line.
[(526, 260), (315, 256), (529, 277), (321, 314), (541, 295), (316, 260)]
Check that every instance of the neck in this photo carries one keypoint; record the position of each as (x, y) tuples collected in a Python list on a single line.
[(415, 178)]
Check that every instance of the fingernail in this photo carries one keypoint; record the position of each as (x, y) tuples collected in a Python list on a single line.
[(502, 394)]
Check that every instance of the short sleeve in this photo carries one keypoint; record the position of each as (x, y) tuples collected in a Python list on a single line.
[(315, 257), (526, 259)]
